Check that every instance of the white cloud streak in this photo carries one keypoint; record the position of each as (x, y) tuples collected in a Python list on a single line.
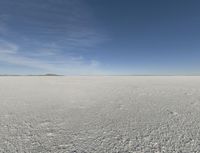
[(9, 53), (55, 34), (69, 23), (7, 48)]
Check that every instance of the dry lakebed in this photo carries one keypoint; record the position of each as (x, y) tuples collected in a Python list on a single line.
[(100, 114)]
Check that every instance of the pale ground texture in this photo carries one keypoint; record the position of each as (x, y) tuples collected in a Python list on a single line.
[(122, 114)]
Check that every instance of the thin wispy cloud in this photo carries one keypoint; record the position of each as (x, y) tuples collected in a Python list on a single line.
[(49, 35), (3, 28), (7, 47), (132, 37), (10, 54), (67, 22)]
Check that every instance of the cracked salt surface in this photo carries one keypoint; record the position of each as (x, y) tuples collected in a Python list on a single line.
[(100, 114)]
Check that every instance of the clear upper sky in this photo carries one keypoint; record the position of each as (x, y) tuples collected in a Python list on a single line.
[(100, 37)]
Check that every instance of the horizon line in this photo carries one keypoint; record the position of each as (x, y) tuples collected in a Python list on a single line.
[(100, 75)]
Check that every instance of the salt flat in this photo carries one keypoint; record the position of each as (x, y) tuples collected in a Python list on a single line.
[(102, 114)]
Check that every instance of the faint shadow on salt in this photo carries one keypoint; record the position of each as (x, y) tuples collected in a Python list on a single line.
[(173, 113)]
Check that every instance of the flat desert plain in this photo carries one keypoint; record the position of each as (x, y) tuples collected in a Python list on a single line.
[(100, 114)]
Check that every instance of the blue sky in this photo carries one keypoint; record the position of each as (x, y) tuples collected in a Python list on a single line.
[(100, 37)]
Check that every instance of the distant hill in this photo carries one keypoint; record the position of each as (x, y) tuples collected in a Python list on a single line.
[(50, 74)]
